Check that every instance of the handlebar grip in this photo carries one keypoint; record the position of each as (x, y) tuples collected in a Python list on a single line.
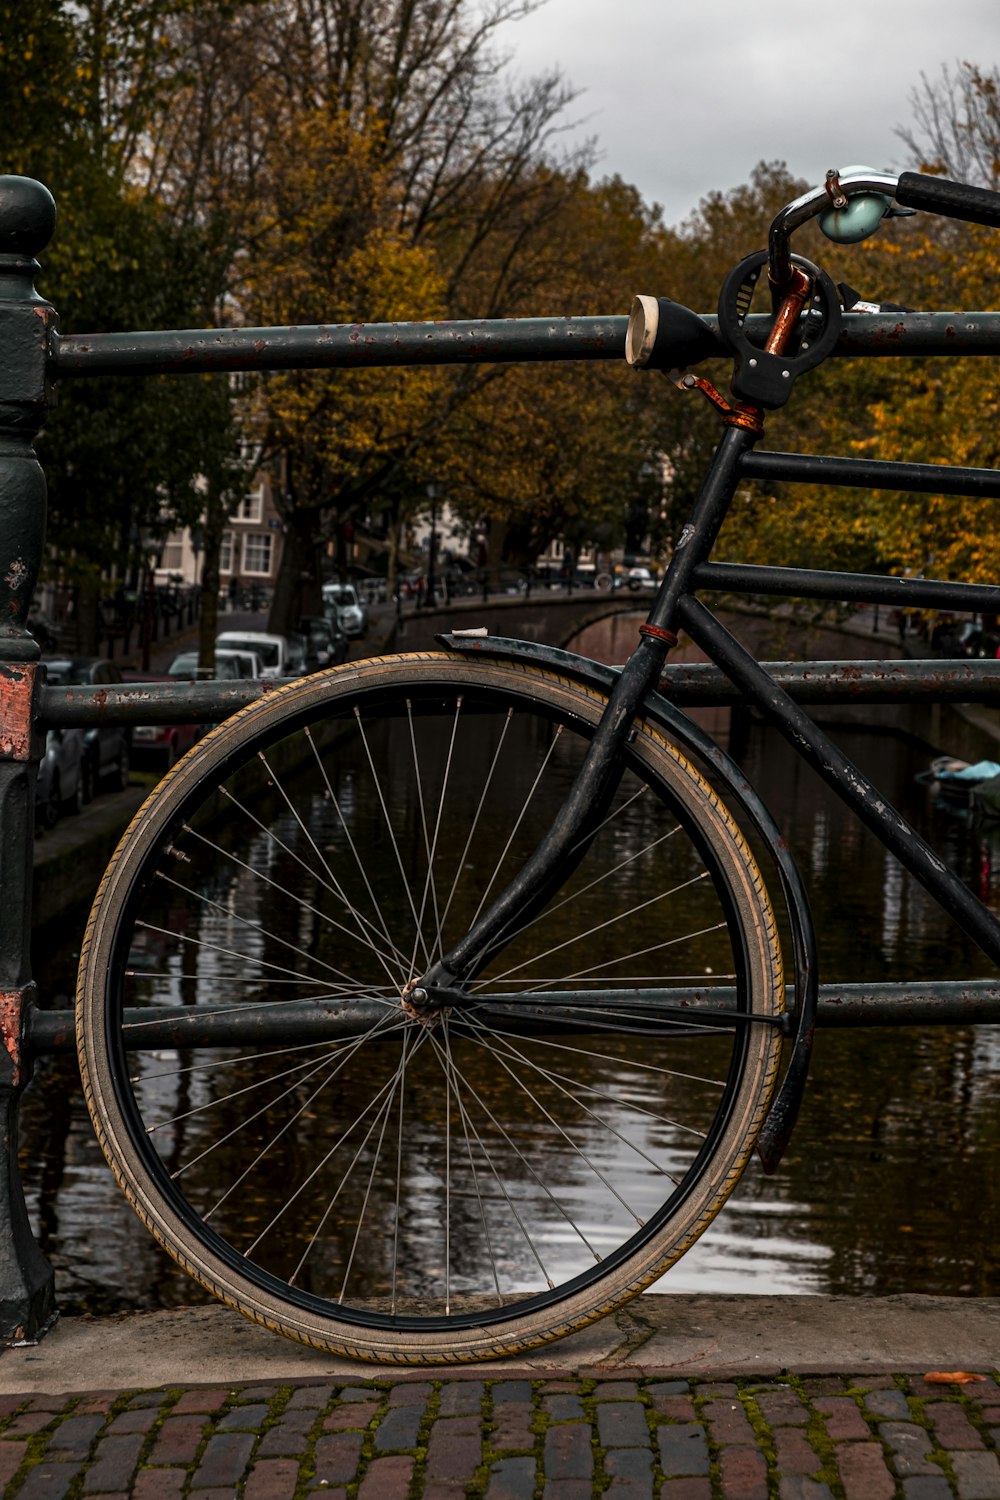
[(955, 200)]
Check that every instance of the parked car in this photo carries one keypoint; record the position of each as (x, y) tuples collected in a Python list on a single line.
[(326, 643), (229, 666), (641, 578), (296, 655), (106, 750), (160, 745), (59, 787), (351, 613), (272, 649)]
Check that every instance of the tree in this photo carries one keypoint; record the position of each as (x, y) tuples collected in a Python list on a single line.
[(361, 161), (574, 450), (956, 124), (120, 462), (944, 410), (328, 249)]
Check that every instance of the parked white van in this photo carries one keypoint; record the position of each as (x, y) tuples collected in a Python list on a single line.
[(272, 649)]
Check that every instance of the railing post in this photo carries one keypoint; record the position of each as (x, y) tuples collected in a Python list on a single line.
[(27, 219)]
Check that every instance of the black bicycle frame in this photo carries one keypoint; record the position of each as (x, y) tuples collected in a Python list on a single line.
[(676, 606), (566, 841)]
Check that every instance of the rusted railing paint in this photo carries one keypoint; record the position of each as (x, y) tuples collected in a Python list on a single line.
[(959, 1003), (685, 683), (474, 341)]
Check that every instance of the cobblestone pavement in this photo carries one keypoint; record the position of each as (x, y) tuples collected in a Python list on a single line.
[(795, 1438)]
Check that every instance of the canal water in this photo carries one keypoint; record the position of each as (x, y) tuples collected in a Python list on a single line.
[(892, 1181)]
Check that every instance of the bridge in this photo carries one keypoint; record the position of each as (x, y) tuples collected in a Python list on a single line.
[(550, 618)]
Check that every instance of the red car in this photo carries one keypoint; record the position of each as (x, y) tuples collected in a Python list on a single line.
[(160, 745)]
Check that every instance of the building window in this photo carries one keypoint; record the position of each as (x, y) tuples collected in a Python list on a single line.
[(250, 508), (226, 553), (257, 554), (172, 556)]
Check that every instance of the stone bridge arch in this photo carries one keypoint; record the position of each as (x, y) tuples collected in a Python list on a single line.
[(551, 619)]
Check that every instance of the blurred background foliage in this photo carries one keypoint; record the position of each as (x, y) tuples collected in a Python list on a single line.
[(300, 161)]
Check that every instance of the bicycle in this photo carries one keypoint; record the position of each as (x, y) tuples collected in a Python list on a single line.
[(394, 1075)]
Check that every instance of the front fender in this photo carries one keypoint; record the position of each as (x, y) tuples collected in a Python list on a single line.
[(734, 786)]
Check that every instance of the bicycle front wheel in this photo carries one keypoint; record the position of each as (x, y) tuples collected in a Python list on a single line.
[(346, 1171)]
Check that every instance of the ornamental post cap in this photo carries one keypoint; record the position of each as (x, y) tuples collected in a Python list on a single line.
[(27, 216)]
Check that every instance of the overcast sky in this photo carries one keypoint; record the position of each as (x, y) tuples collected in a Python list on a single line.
[(684, 96)]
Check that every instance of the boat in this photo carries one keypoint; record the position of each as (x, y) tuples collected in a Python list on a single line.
[(958, 780)]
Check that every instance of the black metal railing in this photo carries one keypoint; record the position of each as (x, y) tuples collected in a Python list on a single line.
[(35, 356)]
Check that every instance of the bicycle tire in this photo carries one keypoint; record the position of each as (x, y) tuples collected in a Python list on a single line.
[(607, 1216)]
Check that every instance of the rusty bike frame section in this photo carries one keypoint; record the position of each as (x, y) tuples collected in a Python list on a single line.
[(37, 356)]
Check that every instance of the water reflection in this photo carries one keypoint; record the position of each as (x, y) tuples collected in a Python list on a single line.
[(891, 1181)]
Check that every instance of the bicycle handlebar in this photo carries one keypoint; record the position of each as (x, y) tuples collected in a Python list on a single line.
[(954, 200)]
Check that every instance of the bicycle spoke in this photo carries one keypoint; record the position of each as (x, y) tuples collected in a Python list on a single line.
[(383, 1115), (596, 1018), (609, 1057), (626, 981), (560, 1079), (356, 937), (618, 917), (487, 1156), (185, 937), (377, 784), (249, 1088), (477, 814), (399, 1188), (430, 845), (554, 906), (610, 963), (520, 818), (388, 1090), (217, 1064), (331, 885), (525, 1163), (463, 1115), (375, 1100), (511, 1052), (350, 841), (340, 1060), (180, 1015), (268, 1147), (315, 1173)]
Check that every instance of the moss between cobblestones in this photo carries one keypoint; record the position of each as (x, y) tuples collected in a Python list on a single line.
[(659, 1478), (123, 1404), (37, 1443), (919, 1417), (538, 1421), (423, 1438), (763, 1436), (937, 1454), (974, 1411), (714, 1449), (828, 1471), (493, 1455), (307, 1463), (600, 1478), (33, 1455)]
